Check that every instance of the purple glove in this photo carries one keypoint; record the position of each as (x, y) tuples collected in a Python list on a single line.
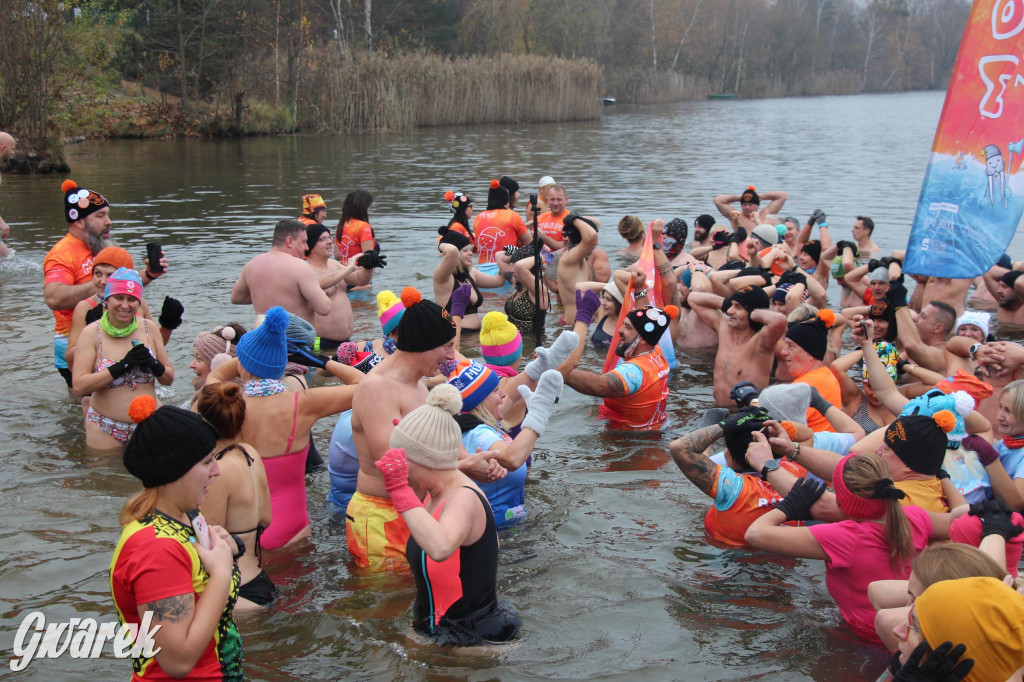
[(460, 299), (586, 305), (395, 470), (986, 452)]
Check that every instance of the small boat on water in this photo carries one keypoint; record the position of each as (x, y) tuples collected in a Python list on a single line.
[(721, 95), (607, 101)]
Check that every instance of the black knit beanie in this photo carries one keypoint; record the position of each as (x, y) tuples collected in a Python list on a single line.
[(424, 326), (919, 442), (811, 335), (167, 442)]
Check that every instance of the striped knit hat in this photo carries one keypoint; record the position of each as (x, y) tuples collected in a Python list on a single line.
[(389, 310), (474, 381), (500, 341)]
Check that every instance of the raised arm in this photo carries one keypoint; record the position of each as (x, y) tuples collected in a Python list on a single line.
[(688, 454), (773, 330)]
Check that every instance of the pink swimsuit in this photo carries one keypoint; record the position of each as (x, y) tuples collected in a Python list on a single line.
[(286, 476)]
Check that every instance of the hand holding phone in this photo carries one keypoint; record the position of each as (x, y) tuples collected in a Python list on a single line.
[(201, 528), (154, 252)]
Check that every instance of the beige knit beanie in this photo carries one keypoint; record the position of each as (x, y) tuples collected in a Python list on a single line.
[(429, 434)]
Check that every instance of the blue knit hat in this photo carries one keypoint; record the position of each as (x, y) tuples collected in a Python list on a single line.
[(474, 381), (263, 352)]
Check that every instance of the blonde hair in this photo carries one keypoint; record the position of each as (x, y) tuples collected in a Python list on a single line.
[(1014, 392), (486, 416), (861, 476), (952, 561), (137, 506), (804, 311)]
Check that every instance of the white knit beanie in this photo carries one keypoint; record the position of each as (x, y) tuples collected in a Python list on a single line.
[(429, 434)]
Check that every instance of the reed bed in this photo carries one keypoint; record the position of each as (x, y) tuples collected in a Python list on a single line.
[(382, 94)]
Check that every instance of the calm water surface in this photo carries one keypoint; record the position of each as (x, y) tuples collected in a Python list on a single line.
[(611, 573)]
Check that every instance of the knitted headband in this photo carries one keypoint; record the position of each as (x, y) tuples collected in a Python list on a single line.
[(474, 381), (429, 434), (858, 507), (166, 443), (80, 202), (124, 281), (389, 311), (500, 340)]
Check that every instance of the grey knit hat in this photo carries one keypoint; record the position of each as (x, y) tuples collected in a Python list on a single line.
[(429, 434), (786, 402)]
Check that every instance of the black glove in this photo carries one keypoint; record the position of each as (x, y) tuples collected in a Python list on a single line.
[(766, 275), (939, 667), (874, 264), (797, 504), (518, 253), (720, 240), (848, 245), (157, 368), (739, 235), (371, 259), (793, 278), (942, 474), (170, 314), (94, 314), (744, 392), (570, 232), (897, 293), (996, 519), (737, 421), (302, 355), (818, 402), (139, 356), (901, 366), (570, 220), (118, 369), (816, 217)]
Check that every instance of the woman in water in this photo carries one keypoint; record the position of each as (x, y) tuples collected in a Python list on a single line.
[(522, 306), (354, 235), (453, 544), (461, 207), (454, 270), (141, 360), (162, 566), (278, 422), (238, 499), (483, 405)]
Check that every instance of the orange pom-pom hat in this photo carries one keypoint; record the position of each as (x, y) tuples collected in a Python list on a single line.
[(424, 325), (80, 202), (166, 443), (141, 408), (827, 316), (945, 419), (449, 195), (411, 296), (495, 184)]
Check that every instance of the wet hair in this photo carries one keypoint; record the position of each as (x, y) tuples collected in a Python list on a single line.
[(947, 316), (287, 228), (357, 205), (952, 561), (1014, 392), (868, 223), (223, 406), (631, 229), (861, 476)]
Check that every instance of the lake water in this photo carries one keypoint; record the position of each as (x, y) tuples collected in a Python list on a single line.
[(611, 573)]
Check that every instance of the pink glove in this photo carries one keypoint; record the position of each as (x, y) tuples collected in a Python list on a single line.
[(986, 453), (396, 480)]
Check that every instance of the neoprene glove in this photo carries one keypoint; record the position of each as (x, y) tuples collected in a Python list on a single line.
[(395, 471), (586, 305), (720, 239), (371, 259), (541, 402), (874, 264), (138, 356), (739, 235), (818, 402), (996, 519), (986, 452), (942, 665), (94, 314), (897, 293), (743, 393), (460, 299), (551, 358), (817, 217), (170, 314), (848, 245), (302, 355), (802, 496)]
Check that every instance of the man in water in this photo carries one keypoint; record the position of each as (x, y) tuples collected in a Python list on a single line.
[(635, 392), (1008, 290), (549, 224), (750, 214), (376, 533), (747, 334), (863, 228), (6, 149), (67, 268), (803, 353), (335, 327), (702, 225), (281, 277), (923, 335), (314, 210), (574, 266)]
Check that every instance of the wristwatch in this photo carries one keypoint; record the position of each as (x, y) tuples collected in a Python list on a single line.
[(974, 349), (769, 466)]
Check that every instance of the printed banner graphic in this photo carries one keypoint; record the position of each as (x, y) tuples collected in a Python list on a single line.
[(972, 198)]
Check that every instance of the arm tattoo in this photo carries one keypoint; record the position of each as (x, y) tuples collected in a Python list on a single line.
[(665, 269), (615, 386), (688, 453), (172, 609)]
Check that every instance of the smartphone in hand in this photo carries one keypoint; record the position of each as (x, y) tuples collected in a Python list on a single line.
[(154, 252), (200, 528)]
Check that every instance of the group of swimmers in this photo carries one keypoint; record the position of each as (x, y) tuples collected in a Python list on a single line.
[(432, 447)]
